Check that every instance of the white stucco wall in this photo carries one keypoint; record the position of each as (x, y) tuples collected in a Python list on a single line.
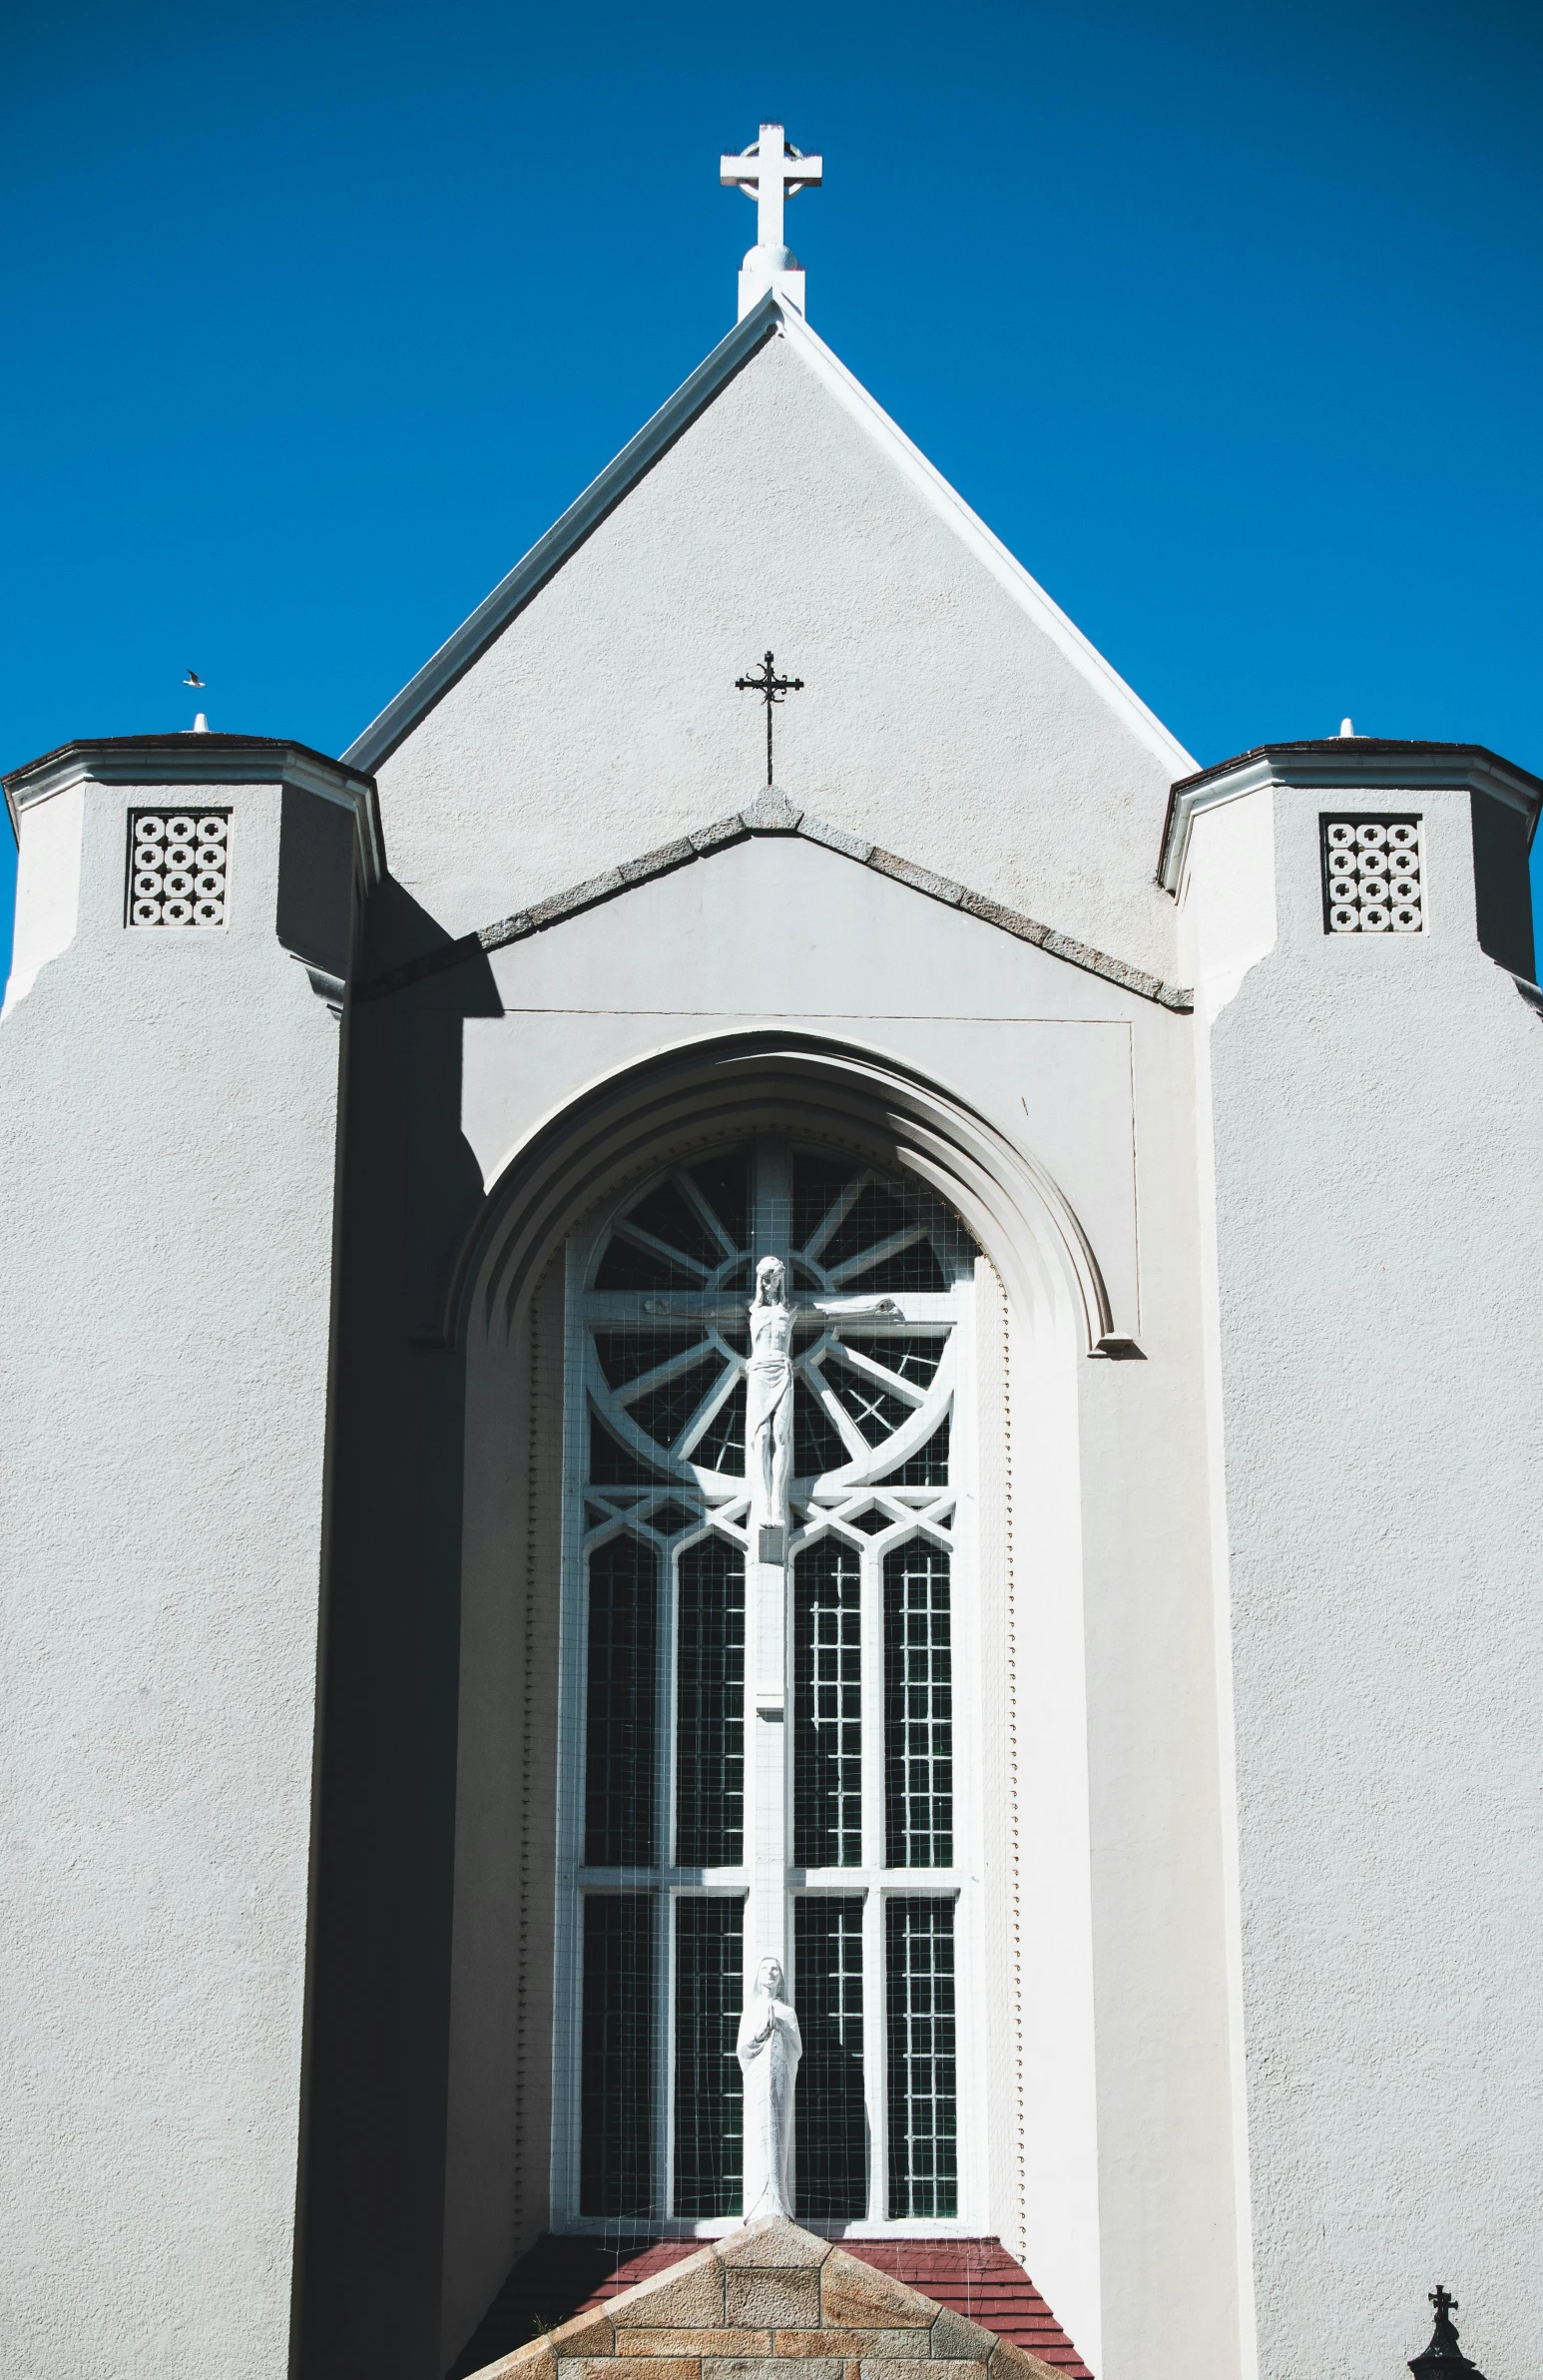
[(937, 718), (1378, 1137), (48, 885), (168, 1131)]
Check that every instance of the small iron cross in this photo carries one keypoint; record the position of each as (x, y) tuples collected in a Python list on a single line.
[(772, 688)]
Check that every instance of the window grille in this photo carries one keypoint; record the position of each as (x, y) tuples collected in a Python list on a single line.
[(923, 2075), (617, 2077), (179, 866), (725, 1184), (655, 1714), (722, 1444), (914, 1359), (918, 1708), (864, 1220), (670, 1216), (629, 1355), (611, 1464), (929, 1466), (831, 2158), (710, 1725), (1373, 876), (817, 1444), (629, 1266), (663, 1412), (709, 2095), (877, 1414), (619, 1829), (827, 1706)]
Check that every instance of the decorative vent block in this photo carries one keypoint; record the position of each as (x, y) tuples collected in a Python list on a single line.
[(1373, 876), (178, 863)]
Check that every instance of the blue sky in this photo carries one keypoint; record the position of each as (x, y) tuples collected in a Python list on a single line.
[(1226, 320)]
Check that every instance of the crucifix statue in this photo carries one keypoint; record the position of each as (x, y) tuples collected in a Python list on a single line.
[(773, 688), (768, 1398)]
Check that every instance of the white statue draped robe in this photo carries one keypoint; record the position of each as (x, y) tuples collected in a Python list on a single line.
[(770, 2048)]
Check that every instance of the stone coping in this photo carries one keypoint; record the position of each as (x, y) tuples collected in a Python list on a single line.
[(749, 2307), (772, 814)]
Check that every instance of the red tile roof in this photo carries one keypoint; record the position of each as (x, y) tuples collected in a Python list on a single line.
[(563, 2275)]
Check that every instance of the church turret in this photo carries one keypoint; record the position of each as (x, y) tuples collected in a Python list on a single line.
[(1358, 931), (169, 1082)]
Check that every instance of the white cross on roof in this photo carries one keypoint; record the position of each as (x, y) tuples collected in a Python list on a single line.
[(770, 171)]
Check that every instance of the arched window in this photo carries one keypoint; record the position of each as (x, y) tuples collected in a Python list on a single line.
[(684, 1824)]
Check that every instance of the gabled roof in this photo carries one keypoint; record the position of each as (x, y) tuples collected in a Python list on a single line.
[(586, 2284), (768, 319), (773, 814)]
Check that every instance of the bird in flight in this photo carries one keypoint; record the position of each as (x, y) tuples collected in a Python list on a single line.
[(193, 679)]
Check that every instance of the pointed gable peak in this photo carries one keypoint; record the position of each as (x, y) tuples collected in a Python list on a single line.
[(770, 318)]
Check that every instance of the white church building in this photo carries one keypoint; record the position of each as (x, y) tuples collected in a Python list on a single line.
[(764, 1297)]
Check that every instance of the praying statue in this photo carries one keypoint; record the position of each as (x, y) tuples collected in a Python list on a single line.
[(770, 2048), (768, 1398)]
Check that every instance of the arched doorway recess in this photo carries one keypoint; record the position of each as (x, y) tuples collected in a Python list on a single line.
[(899, 1552)]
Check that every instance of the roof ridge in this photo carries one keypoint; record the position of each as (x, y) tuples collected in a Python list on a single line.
[(551, 550), (771, 813)]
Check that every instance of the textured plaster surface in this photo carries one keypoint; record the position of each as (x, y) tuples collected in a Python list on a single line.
[(48, 883), (1379, 1106), (168, 1109), (937, 719)]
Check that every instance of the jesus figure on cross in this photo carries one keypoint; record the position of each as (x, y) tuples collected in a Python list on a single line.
[(768, 1398)]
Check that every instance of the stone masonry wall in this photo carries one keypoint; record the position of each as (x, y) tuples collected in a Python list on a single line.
[(749, 2305)]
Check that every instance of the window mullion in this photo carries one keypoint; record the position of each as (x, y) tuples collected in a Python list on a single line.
[(876, 2053), (666, 1703), (875, 2042), (663, 1904)]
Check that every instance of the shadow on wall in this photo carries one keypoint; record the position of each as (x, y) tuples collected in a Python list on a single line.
[(372, 2178)]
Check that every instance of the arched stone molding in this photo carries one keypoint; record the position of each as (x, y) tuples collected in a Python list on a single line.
[(696, 1094)]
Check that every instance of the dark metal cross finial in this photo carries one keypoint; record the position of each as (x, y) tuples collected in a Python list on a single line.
[(1443, 2359), (772, 688)]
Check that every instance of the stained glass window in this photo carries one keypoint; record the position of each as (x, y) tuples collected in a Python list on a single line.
[(833, 2136), (827, 1706), (929, 1466), (616, 2164), (923, 2065), (722, 1444), (918, 1707), (877, 1412), (663, 1412), (668, 1584), (709, 2094), (710, 1721), (817, 1444), (619, 1705)]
